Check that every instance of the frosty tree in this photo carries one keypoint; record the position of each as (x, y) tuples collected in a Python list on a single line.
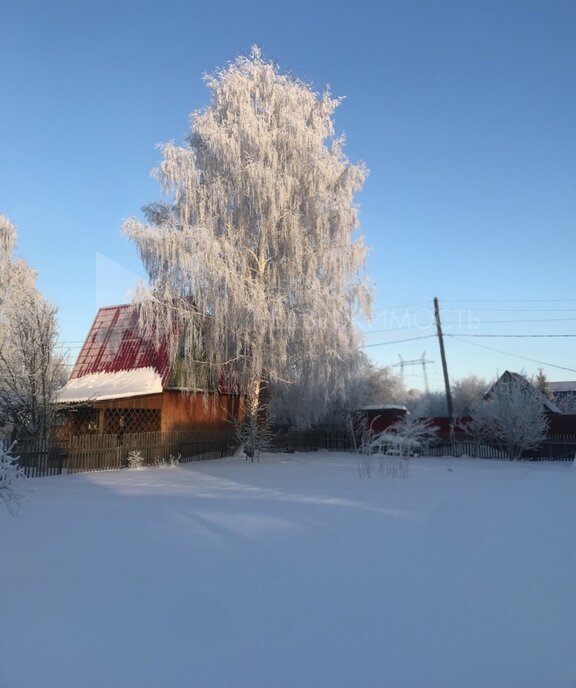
[(513, 416), (253, 265), (566, 403), (11, 476), (542, 383), (30, 371), (467, 392)]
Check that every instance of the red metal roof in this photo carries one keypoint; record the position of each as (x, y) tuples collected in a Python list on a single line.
[(115, 342)]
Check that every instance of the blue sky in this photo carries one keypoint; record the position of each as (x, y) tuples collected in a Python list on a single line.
[(464, 113)]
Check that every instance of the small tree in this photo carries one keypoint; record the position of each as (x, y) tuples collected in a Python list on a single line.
[(251, 255), (542, 384), (512, 416), (11, 477), (135, 459)]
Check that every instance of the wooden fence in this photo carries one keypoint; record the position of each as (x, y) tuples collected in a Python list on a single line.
[(555, 448), (83, 453), (326, 437)]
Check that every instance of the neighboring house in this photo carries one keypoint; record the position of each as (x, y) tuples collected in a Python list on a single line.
[(506, 377), (563, 390), (123, 382)]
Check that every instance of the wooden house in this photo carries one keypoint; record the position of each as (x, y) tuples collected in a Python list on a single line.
[(123, 382), (563, 391), (508, 377)]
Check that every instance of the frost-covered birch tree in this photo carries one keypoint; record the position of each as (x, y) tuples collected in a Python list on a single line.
[(254, 265), (30, 370)]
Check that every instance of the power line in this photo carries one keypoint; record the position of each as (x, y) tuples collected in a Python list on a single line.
[(534, 320), (513, 336), (459, 324), (509, 300), (507, 353), (399, 341), (521, 310)]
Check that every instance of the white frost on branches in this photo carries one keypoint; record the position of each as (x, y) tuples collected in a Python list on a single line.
[(251, 256), (11, 477), (513, 416), (410, 436), (30, 372), (566, 403)]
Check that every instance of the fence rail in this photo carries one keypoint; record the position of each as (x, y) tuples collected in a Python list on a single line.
[(85, 453)]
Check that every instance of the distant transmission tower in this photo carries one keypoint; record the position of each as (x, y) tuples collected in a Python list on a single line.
[(423, 361)]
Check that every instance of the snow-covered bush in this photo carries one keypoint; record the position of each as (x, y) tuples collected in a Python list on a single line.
[(410, 436), (174, 459), (393, 446), (10, 477), (135, 459)]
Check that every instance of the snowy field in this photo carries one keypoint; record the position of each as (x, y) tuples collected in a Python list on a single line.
[(295, 572)]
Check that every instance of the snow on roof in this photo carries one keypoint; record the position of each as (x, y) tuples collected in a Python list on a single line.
[(112, 385), (568, 386)]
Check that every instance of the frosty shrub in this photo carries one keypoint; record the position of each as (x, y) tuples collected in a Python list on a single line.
[(393, 446), (410, 436), (174, 459), (256, 273), (135, 459), (11, 477)]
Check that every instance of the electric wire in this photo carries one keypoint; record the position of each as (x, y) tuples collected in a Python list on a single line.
[(507, 353)]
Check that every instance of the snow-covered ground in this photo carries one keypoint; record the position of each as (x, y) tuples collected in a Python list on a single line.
[(295, 572)]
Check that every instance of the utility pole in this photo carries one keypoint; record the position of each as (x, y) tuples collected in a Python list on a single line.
[(444, 367)]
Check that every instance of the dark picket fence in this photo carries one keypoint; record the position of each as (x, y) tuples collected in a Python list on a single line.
[(325, 437), (555, 448), (84, 453), (339, 438)]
